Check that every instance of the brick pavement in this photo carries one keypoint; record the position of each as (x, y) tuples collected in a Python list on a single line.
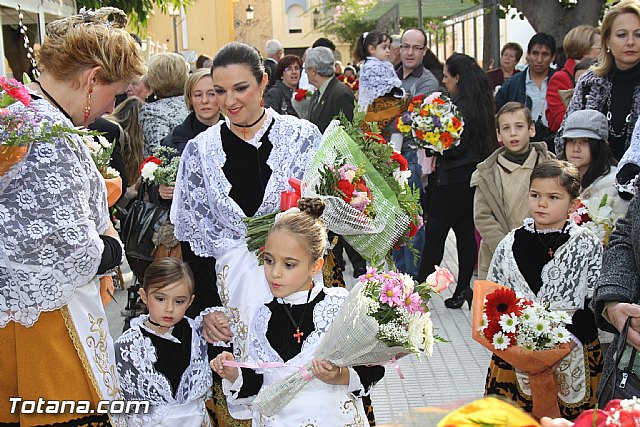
[(454, 373)]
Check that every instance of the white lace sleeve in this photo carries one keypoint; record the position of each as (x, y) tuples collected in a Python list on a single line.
[(496, 268), (632, 154), (52, 211), (594, 264), (377, 78), (199, 323)]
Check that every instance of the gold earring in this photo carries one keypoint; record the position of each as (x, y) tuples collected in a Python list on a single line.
[(87, 106)]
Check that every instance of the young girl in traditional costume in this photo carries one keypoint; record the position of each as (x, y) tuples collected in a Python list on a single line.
[(163, 357), (380, 90), (554, 262), (289, 327)]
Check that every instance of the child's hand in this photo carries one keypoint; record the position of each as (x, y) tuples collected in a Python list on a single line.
[(226, 372), (329, 373)]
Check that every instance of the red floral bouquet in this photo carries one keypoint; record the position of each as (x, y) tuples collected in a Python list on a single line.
[(301, 102), (351, 82), (500, 335), (347, 182)]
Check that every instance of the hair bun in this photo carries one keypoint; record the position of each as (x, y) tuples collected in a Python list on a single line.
[(110, 16), (313, 207)]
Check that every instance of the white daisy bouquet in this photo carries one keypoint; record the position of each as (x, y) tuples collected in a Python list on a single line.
[(508, 320), (385, 315), (524, 334)]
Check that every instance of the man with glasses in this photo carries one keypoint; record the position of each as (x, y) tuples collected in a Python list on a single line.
[(416, 80)]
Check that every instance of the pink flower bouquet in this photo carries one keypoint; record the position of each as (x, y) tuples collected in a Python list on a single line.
[(385, 315)]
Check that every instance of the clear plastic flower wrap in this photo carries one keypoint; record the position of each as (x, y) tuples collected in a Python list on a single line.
[(373, 237)]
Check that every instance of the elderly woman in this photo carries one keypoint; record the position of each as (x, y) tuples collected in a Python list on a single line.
[(582, 42), (55, 230), (287, 77), (613, 86), (167, 76), (510, 55)]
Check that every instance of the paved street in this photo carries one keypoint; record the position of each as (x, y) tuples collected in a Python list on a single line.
[(453, 374)]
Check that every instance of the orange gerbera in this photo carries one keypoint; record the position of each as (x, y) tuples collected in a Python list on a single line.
[(446, 139), (439, 101), (456, 122)]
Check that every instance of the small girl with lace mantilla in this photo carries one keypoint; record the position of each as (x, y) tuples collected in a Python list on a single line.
[(163, 359), (289, 327), (554, 262), (377, 76)]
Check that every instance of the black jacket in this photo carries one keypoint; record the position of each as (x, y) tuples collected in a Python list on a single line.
[(515, 89), (336, 97)]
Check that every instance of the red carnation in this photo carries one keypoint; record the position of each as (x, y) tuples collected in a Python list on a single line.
[(16, 90), (347, 189), (356, 86), (351, 79), (151, 159), (300, 94), (400, 160), (417, 99)]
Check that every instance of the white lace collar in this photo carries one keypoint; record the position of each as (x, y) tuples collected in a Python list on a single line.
[(528, 225), (300, 297), (140, 322), (255, 141)]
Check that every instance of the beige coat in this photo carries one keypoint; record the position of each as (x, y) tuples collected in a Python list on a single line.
[(500, 201)]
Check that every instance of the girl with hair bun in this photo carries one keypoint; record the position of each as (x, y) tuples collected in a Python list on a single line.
[(290, 326)]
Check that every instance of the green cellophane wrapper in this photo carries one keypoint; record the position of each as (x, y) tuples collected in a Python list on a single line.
[(374, 237)]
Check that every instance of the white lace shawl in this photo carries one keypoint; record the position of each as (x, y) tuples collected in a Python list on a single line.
[(139, 380), (202, 211), (53, 207), (567, 279), (261, 351), (377, 78)]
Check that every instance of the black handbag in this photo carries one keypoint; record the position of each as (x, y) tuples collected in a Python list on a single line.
[(621, 382), (142, 220)]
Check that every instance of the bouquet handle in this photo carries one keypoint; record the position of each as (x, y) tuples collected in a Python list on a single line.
[(537, 364)]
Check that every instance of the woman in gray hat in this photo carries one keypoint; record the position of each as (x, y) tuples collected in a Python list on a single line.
[(586, 147)]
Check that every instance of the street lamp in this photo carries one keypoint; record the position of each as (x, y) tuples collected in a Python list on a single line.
[(249, 10), (174, 12), (316, 17)]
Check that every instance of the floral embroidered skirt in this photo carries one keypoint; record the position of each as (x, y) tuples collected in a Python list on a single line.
[(501, 380), (42, 361)]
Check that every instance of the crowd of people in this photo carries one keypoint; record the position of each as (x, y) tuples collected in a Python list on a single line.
[(540, 146)]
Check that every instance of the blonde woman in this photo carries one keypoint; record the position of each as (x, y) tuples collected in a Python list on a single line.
[(168, 73), (56, 235)]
